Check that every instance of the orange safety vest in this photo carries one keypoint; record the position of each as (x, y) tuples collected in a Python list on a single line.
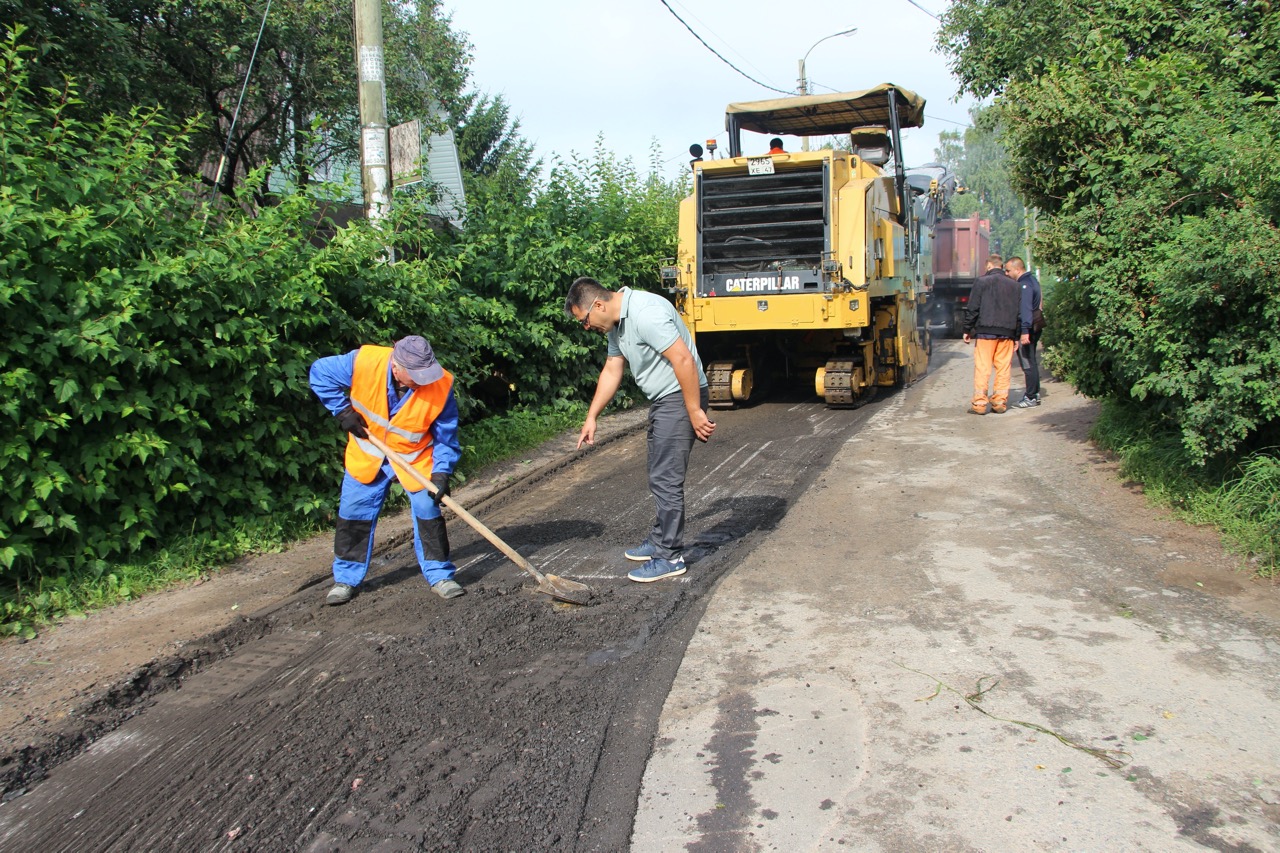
[(407, 433)]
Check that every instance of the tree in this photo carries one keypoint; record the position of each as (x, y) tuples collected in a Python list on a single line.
[(978, 160), (1146, 133), (491, 147), (190, 57)]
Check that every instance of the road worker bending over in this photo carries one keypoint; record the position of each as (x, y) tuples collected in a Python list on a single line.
[(404, 397)]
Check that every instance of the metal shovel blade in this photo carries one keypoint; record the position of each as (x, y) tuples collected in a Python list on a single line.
[(565, 589)]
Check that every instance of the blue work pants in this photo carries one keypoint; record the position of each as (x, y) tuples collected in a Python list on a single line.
[(358, 518)]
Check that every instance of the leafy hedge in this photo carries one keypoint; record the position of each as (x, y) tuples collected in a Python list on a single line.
[(155, 358), (594, 217), (1147, 133)]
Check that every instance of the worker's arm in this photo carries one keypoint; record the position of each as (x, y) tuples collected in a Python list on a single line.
[(606, 386), (686, 370), (330, 380), (446, 450), (972, 309)]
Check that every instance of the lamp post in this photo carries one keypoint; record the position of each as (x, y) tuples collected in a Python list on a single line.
[(804, 81)]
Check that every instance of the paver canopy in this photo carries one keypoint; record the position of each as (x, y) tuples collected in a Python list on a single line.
[(820, 115)]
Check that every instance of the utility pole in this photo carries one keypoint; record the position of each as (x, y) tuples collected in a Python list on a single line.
[(804, 81), (804, 90), (375, 166)]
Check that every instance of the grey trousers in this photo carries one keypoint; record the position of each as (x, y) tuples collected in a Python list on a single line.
[(1030, 364), (670, 441)]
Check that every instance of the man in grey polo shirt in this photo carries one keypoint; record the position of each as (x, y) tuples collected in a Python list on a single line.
[(646, 333)]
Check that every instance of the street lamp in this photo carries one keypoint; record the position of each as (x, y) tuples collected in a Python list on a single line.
[(804, 81)]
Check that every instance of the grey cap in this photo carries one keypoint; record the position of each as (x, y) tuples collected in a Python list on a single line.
[(415, 357)]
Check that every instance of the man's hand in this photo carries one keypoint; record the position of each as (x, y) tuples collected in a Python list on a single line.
[(703, 426), (1026, 340), (441, 481), (588, 434), (353, 422), (966, 337)]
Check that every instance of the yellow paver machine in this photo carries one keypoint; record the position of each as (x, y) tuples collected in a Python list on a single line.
[(809, 266)]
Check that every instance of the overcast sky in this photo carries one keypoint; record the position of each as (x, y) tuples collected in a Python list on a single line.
[(628, 69)]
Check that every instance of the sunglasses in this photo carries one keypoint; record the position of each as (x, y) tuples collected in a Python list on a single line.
[(586, 319)]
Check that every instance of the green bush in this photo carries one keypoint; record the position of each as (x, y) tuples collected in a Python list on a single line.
[(595, 217), (1146, 134), (156, 348), (155, 363), (1240, 500)]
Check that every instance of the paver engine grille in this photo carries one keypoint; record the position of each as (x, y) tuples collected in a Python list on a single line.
[(760, 223)]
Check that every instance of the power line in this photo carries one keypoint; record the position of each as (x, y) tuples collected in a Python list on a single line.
[(721, 58), (706, 28), (226, 151), (926, 115)]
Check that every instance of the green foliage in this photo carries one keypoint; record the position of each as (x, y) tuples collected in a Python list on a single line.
[(51, 597), (189, 58), (1146, 133), (154, 361), (489, 142), (1242, 501), (194, 557), (156, 351), (595, 217), (506, 435), (1247, 510), (996, 44)]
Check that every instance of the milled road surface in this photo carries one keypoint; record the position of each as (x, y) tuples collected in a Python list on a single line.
[(923, 631), (499, 721)]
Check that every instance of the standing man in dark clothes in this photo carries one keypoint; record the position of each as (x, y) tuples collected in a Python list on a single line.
[(993, 322), (1031, 303)]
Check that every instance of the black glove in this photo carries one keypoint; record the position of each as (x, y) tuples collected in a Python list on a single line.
[(353, 422), (441, 481)]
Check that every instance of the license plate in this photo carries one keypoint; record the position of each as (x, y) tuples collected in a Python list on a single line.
[(759, 165)]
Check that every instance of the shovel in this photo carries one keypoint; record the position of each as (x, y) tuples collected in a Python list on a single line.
[(556, 587)]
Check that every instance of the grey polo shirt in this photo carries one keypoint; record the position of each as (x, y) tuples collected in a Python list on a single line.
[(648, 326)]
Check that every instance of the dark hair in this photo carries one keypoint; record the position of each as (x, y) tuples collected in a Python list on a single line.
[(775, 142), (583, 293)]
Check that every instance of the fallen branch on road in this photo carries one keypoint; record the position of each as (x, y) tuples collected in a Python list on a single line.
[(1113, 758)]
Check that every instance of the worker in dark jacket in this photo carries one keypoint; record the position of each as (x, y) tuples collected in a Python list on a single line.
[(1031, 303), (993, 322)]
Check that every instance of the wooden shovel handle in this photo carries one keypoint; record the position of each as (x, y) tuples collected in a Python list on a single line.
[(470, 519)]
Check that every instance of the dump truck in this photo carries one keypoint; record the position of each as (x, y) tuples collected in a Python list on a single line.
[(809, 266), (959, 258)]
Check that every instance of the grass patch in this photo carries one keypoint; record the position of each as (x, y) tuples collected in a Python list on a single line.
[(1240, 498), (501, 437), (24, 609)]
